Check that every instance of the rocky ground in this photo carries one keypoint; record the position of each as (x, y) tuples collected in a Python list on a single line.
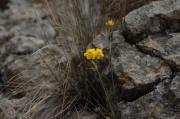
[(145, 60)]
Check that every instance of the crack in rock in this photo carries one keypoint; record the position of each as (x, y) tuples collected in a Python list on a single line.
[(167, 47), (4, 4), (161, 103)]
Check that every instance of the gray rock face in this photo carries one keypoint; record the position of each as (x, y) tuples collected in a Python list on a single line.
[(175, 86), (23, 45), (7, 107), (137, 71), (162, 103), (38, 65), (158, 16), (164, 46), (23, 31), (26, 56)]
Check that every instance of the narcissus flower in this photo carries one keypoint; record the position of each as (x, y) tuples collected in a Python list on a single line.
[(99, 53), (92, 54), (110, 23)]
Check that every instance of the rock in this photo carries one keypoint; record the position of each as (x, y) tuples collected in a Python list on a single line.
[(40, 29), (159, 104), (40, 65), (7, 108), (4, 35), (24, 29), (165, 46), (158, 16), (23, 45), (25, 18), (43, 71), (138, 72), (23, 10), (19, 46), (31, 67), (175, 86)]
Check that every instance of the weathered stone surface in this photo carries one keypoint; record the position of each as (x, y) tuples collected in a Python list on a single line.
[(27, 19), (138, 72), (23, 45), (162, 103), (24, 10), (24, 29), (6, 107), (175, 86), (42, 70), (164, 46), (39, 29), (4, 35), (158, 16), (40, 65), (26, 60)]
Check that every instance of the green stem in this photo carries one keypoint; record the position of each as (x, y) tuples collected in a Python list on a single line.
[(110, 53), (102, 84)]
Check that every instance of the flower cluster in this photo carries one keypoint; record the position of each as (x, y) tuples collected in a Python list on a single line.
[(110, 23), (92, 54)]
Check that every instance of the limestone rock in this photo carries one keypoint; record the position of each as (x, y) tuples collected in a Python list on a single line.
[(158, 16), (7, 108), (165, 46), (138, 72), (175, 86), (162, 103)]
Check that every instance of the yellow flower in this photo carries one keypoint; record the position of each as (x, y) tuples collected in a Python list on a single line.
[(110, 23), (99, 53), (92, 54)]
